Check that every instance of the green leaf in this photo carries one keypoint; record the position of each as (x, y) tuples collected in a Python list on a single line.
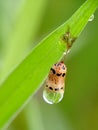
[(22, 83), (22, 33)]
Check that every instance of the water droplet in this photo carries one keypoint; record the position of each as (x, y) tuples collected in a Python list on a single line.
[(51, 97), (65, 53), (91, 17)]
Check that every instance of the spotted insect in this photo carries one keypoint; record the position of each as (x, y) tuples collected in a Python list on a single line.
[(55, 83)]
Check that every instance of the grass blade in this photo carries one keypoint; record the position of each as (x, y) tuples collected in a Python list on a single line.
[(26, 78)]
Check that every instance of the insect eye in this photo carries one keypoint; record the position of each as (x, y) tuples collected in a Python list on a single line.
[(63, 67)]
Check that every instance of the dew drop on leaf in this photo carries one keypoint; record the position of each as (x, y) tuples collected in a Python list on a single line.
[(91, 17), (52, 97)]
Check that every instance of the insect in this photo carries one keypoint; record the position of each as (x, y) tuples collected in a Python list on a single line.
[(69, 39), (55, 83)]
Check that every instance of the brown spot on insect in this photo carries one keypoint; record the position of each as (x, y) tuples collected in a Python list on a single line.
[(56, 89), (46, 85), (62, 88), (50, 88), (63, 74), (59, 74), (53, 71)]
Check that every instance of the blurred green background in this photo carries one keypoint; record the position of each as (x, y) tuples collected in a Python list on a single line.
[(79, 108)]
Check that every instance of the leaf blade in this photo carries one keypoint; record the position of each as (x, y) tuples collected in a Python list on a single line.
[(33, 70)]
